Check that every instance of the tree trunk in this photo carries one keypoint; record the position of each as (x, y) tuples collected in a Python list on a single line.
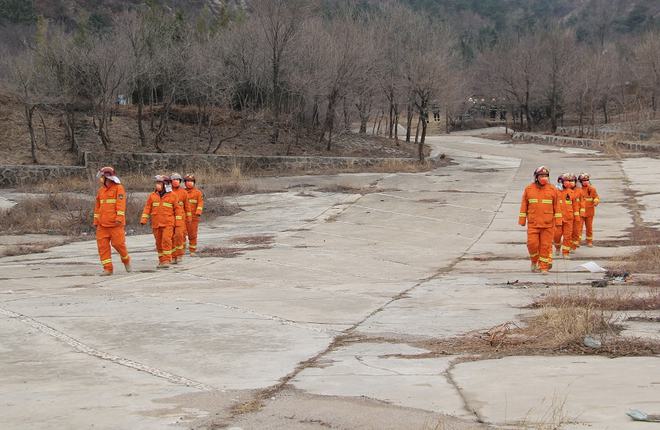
[(391, 120), (330, 119), (43, 127), (347, 118), (419, 121), (420, 146), (604, 107), (409, 119), (29, 114), (396, 124), (151, 110), (276, 97), (139, 115)]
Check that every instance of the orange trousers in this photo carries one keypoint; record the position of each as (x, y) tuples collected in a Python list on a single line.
[(589, 226), (577, 232), (163, 237), (539, 245), (564, 237), (115, 236), (192, 228), (179, 241)]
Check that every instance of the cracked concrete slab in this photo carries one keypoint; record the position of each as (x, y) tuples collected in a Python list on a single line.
[(558, 391), (427, 256)]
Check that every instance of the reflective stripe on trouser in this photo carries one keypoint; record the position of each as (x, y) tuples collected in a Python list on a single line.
[(564, 237), (115, 236), (539, 245), (192, 228), (163, 236), (589, 227), (577, 232), (179, 241)]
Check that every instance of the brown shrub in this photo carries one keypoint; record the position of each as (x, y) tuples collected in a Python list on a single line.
[(617, 301), (646, 260)]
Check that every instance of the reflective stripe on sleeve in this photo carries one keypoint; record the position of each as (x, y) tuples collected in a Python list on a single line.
[(558, 215), (178, 217), (120, 213), (192, 201), (109, 201), (522, 215), (155, 204)]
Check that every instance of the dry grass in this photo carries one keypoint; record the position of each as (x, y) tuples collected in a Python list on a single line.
[(264, 239), (14, 250), (605, 300), (73, 216), (646, 260), (51, 214), (348, 189), (228, 252)]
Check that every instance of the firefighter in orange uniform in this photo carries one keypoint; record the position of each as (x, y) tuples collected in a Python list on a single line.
[(179, 240), (196, 206), (570, 210), (590, 200), (541, 211), (577, 219), (163, 208), (110, 219)]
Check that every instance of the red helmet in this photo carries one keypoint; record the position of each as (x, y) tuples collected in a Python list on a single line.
[(189, 177), (564, 177), (584, 177), (107, 172), (541, 170)]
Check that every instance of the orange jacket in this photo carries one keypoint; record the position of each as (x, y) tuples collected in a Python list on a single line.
[(589, 201), (196, 201), (570, 206), (110, 208), (540, 206), (577, 196), (164, 210), (182, 195)]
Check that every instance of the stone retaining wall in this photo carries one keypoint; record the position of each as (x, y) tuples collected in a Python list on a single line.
[(150, 163), (584, 143), (13, 175)]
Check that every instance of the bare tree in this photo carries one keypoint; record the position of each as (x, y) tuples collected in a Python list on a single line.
[(20, 77), (279, 22)]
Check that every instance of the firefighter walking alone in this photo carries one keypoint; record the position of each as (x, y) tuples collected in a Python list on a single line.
[(540, 210), (110, 219)]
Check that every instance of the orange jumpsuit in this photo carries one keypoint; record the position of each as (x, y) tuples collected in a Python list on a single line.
[(196, 206), (179, 239), (570, 210), (577, 219), (589, 202), (163, 211), (541, 210), (110, 220)]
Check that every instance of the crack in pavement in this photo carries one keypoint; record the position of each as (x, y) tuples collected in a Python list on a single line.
[(93, 352)]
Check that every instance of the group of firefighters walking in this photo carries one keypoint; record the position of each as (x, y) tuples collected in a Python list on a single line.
[(174, 211), (557, 216), (552, 215)]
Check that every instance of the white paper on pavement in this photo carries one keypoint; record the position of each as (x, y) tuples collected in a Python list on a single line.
[(592, 267)]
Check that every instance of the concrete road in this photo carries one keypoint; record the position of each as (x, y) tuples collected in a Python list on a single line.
[(259, 341)]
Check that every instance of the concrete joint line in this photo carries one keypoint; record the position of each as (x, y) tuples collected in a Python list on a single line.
[(438, 203), (274, 318), (466, 402), (417, 216), (85, 349)]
